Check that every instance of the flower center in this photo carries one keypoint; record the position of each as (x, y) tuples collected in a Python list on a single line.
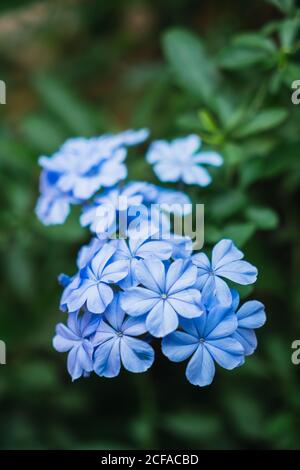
[(201, 340), (120, 334), (164, 296)]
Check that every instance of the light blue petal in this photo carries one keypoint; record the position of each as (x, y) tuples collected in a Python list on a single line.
[(88, 323), (174, 202), (195, 327), (227, 352), (104, 333), (99, 297), (247, 338), (107, 361), (181, 275), (182, 247), (162, 319), (200, 369), (202, 262), (101, 259), (137, 300), (73, 364), (225, 252), (76, 298), (63, 344), (72, 323), (209, 158), (186, 303), (235, 299), (240, 272), (155, 249), (159, 150), (52, 210), (133, 137), (221, 322), (87, 252), (151, 273), (196, 175), (136, 355), (179, 345), (114, 313), (186, 145), (134, 326), (251, 315), (84, 356), (115, 272), (222, 290), (166, 171)]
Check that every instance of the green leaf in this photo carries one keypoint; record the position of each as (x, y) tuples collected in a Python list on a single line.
[(189, 122), (245, 412), (228, 204), (237, 57), (192, 425), (66, 105), (262, 121), (42, 132), (233, 153), (288, 32), (207, 121), (263, 217), (250, 172), (192, 68), (240, 233), (283, 5), (255, 41)]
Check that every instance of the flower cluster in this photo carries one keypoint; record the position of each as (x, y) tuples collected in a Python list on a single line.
[(137, 282)]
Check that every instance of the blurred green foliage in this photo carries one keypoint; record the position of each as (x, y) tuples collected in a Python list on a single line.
[(215, 68)]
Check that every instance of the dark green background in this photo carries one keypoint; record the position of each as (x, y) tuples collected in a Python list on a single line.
[(87, 67)]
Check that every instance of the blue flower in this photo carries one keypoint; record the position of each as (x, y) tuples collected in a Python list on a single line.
[(87, 252), (206, 339), (101, 216), (182, 246), (136, 248), (164, 295), (80, 168), (116, 343), (53, 205), (250, 316), (91, 286), (226, 263), (76, 338), (180, 161)]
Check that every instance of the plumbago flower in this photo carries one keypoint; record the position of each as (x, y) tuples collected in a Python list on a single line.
[(136, 248), (76, 339), (116, 343), (164, 294), (79, 169), (181, 160), (53, 206), (91, 287), (226, 262), (137, 281), (250, 316), (206, 339)]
